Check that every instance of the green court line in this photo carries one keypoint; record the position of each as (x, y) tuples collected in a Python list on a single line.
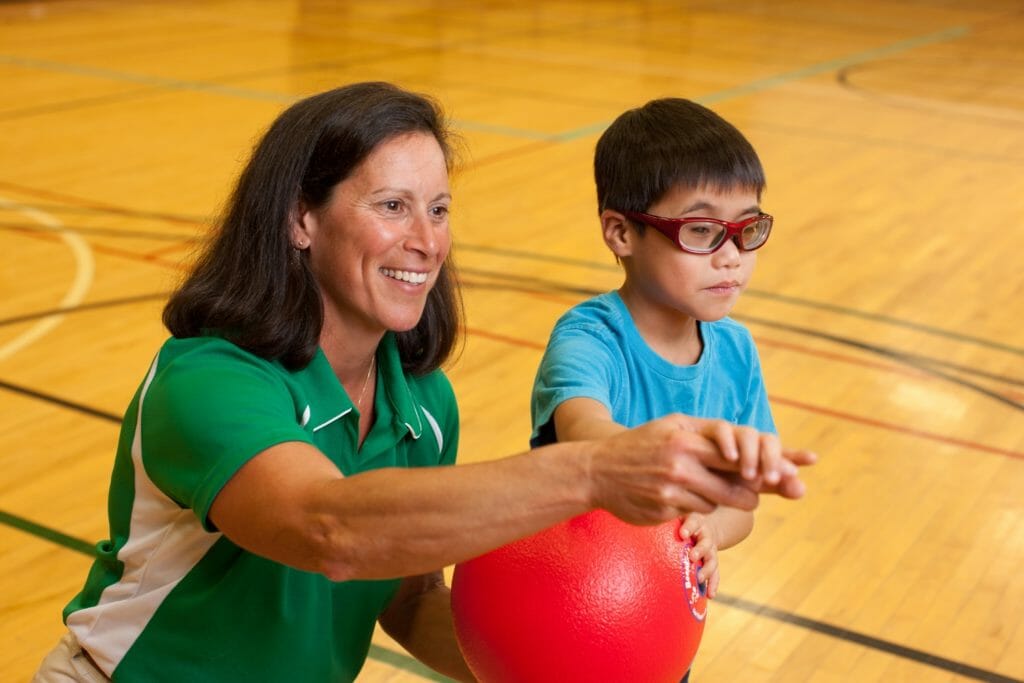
[(406, 663), (398, 660), (377, 652), (46, 533), (840, 63), (798, 74), (232, 91), (567, 136), (144, 79)]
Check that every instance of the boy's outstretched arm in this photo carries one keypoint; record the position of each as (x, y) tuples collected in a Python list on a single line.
[(579, 419)]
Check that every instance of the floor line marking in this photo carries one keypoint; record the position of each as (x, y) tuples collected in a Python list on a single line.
[(85, 271)]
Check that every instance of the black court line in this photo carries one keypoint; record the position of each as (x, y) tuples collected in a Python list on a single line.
[(405, 662), (79, 103), (922, 363), (83, 308), (101, 232), (402, 661), (915, 361), (63, 402), (796, 301), (845, 634), (91, 210), (888, 320), (529, 256)]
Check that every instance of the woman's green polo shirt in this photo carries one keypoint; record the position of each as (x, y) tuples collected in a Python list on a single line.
[(169, 598)]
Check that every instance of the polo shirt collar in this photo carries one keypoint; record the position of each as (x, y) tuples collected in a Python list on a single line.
[(396, 386), (329, 396)]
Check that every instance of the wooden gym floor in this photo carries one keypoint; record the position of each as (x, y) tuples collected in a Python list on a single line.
[(887, 307)]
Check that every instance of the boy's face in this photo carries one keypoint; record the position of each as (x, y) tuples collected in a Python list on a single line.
[(664, 278)]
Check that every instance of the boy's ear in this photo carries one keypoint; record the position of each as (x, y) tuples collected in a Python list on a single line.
[(618, 233)]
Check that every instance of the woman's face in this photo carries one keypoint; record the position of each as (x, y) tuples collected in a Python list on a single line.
[(377, 245)]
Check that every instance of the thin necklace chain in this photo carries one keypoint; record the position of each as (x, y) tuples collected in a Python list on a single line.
[(366, 382)]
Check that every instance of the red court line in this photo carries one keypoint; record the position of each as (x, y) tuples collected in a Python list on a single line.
[(505, 155), (853, 360), (136, 256), (891, 426), (540, 347), (799, 348), (102, 249), (821, 410), (78, 201), (175, 246), (152, 257), (842, 358), (565, 301), (831, 355), (507, 340)]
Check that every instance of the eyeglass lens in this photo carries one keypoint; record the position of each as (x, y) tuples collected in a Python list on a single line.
[(709, 235)]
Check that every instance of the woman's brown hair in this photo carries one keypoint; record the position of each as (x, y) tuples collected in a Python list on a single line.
[(251, 286)]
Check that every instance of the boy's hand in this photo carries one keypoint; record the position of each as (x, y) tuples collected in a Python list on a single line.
[(661, 470), (676, 464), (760, 458), (704, 550)]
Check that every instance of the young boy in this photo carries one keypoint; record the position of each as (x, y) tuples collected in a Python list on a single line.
[(678, 192)]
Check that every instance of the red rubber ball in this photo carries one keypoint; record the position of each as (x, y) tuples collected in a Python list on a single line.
[(591, 599)]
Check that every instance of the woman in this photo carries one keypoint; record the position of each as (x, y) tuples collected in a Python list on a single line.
[(282, 480)]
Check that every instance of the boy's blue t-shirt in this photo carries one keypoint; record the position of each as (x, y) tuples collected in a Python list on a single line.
[(595, 351)]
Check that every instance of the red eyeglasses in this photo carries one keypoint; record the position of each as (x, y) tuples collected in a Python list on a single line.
[(707, 235)]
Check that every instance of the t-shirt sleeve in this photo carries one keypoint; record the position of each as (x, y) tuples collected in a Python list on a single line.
[(757, 412), (576, 364), (205, 415)]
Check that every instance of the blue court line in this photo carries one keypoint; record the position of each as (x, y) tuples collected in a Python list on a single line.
[(508, 131)]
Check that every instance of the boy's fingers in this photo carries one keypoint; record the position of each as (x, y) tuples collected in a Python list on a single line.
[(788, 487), (725, 438), (799, 456), (771, 459), (689, 528), (749, 442), (697, 478), (713, 585), (713, 440), (791, 487)]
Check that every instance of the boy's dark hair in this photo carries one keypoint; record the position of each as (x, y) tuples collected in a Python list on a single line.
[(667, 142), (251, 286)]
